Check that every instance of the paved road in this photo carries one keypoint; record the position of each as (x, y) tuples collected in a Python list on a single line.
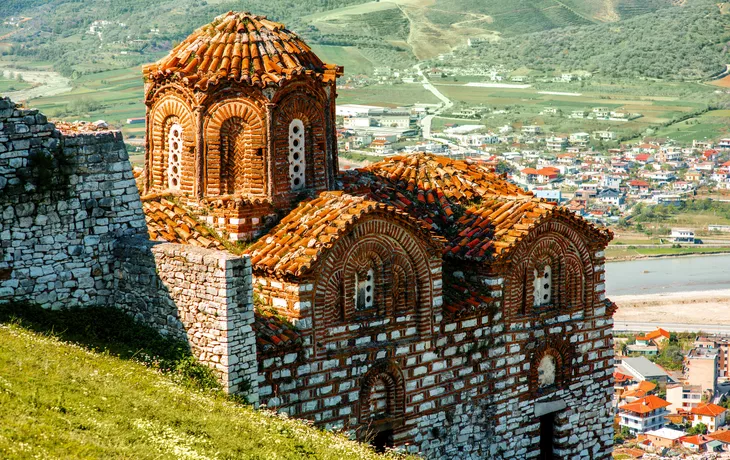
[(622, 326)]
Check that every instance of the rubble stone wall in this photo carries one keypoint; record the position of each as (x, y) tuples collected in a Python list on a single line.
[(200, 296), (64, 200)]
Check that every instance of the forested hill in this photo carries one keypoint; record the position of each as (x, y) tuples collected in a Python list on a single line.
[(684, 43)]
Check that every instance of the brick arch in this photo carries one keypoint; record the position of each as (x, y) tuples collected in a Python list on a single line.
[(404, 293), (562, 352), (333, 297), (170, 108), (404, 244), (551, 240), (235, 149), (311, 111), (389, 373)]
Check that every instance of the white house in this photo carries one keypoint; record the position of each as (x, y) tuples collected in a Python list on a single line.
[(683, 235), (712, 415), (645, 414)]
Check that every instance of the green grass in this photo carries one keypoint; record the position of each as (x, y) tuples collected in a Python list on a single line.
[(385, 95), (7, 85), (61, 400), (711, 125), (624, 253), (349, 56)]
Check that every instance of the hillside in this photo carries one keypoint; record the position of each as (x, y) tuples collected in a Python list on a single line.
[(689, 42), (61, 400), (85, 37)]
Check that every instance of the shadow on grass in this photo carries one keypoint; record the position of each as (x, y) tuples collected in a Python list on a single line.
[(107, 330)]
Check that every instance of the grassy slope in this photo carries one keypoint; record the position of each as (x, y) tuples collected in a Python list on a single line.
[(63, 401)]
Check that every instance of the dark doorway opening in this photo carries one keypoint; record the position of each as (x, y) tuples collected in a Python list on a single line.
[(382, 440), (547, 432)]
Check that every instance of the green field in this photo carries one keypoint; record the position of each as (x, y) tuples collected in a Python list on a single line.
[(387, 95), (7, 85), (349, 56), (65, 400), (615, 253), (657, 103), (112, 96), (711, 125)]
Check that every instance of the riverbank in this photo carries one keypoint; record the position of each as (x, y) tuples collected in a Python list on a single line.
[(695, 307), (620, 254)]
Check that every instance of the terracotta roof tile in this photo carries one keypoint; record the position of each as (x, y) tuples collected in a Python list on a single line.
[(708, 409), (480, 214), (722, 436), (245, 48), (294, 245), (274, 333), (166, 221), (645, 405)]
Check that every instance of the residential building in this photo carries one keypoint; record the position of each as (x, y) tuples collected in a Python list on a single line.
[(664, 438), (701, 368), (683, 235), (531, 130), (357, 122), (604, 135), (645, 414), (556, 144), (612, 197), (724, 143), (696, 443), (683, 397), (643, 369), (712, 415)]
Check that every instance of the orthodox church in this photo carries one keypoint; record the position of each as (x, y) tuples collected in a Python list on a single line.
[(420, 302)]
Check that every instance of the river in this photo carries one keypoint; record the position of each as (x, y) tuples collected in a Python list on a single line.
[(669, 274), (45, 83)]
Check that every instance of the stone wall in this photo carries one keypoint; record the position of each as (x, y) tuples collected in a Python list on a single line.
[(65, 197), (200, 296)]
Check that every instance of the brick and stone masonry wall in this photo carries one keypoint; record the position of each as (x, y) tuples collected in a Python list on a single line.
[(197, 295), (64, 199)]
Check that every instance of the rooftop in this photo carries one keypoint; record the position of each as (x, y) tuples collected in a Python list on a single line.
[(241, 47), (708, 410), (642, 368), (666, 433), (645, 405)]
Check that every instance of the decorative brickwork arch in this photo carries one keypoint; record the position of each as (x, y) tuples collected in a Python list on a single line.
[(565, 250), (310, 111), (559, 351), (382, 396), (235, 150), (334, 299), (401, 254), (168, 110)]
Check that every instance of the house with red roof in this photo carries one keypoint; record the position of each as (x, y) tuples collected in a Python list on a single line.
[(638, 186), (711, 154), (644, 158), (696, 443), (645, 414), (712, 415)]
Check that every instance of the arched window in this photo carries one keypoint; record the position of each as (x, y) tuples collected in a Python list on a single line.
[(365, 292), (174, 156), (233, 149), (543, 286), (297, 161)]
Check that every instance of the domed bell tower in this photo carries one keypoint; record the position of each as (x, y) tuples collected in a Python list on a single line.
[(241, 123)]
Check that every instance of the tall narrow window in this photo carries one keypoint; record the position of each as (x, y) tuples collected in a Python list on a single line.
[(543, 287), (364, 297), (174, 156), (233, 161), (297, 162)]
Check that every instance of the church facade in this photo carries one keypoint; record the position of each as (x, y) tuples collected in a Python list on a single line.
[(421, 302)]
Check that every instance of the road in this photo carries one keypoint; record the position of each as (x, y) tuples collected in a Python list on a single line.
[(621, 326), (428, 119)]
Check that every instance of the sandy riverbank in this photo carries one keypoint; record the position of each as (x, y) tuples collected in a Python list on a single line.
[(701, 307)]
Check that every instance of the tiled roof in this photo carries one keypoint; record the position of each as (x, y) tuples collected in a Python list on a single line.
[(723, 436), (620, 378), (645, 405), (646, 386), (479, 213), (462, 296), (294, 245), (274, 333), (697, 440), (169, 222), (242, 47), (708, 409)]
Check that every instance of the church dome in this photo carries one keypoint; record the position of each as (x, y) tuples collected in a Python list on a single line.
[(241, 47)]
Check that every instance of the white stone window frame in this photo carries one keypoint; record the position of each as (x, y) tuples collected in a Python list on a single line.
[(175, 145), (365, 291), (297, 151), (542, 286)]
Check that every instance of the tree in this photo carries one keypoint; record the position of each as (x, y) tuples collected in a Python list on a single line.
[(700, 428)]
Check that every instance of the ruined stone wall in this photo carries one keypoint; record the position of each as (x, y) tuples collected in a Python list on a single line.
[(200, 296), (64, 200)]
